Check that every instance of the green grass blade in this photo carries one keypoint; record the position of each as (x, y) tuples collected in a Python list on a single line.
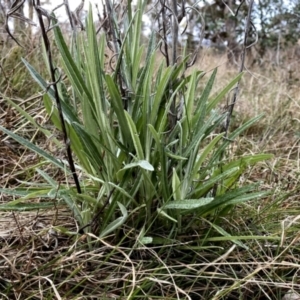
[(212, 103), (207, 90), (221, 200), (202, 188), (135, 137), (116, 223), (227, 235), (188, 204), (27, 206), (68, 113), (117, 103), (70, 66), (158, 98), (34, 148), (204, 154)]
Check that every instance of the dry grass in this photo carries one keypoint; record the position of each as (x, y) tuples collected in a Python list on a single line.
[(39, 260)]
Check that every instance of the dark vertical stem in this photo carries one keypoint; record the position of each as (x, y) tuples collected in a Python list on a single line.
[(164, 28), (58, 103)]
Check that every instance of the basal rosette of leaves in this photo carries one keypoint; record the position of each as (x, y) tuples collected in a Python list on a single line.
[(137, 168)]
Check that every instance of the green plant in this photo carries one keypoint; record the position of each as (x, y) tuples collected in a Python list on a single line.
[(138, 166)]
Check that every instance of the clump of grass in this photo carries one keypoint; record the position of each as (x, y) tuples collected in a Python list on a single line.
[(165, 205), (126, 141)]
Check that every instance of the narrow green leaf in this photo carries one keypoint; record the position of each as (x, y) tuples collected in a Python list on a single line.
[(146, 240), (117, 103), (188, 98), (46, 132), (116, 223), (162, 213), (233, 135), (188, 204), (201, 132), (203, 188), (135, 137), (89, 148), (158, 98), (70, 199), (226, 234), (24, 192), (163, 164), (141, 163), (144, 164), (94, 70), (243, 237), (221, 200), (70, 66), (48, 178), (208, 149), (67, 112), (136, 66), (33, 148), (26, 206), (207, 90), (52, 111), (248, 197), (137, 29), (116, 186), (243, 162), (177, 157), (176, 186), (221, 95)]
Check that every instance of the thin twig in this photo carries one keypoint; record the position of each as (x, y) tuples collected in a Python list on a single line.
[(236, 90), (164, 29), (76, 15), (12, 13), (69, 13), (174, 31)]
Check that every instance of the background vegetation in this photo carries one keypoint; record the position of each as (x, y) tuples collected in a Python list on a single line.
[(129, 184)]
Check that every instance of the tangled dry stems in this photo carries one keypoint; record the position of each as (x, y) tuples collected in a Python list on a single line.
[(64, 267)]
